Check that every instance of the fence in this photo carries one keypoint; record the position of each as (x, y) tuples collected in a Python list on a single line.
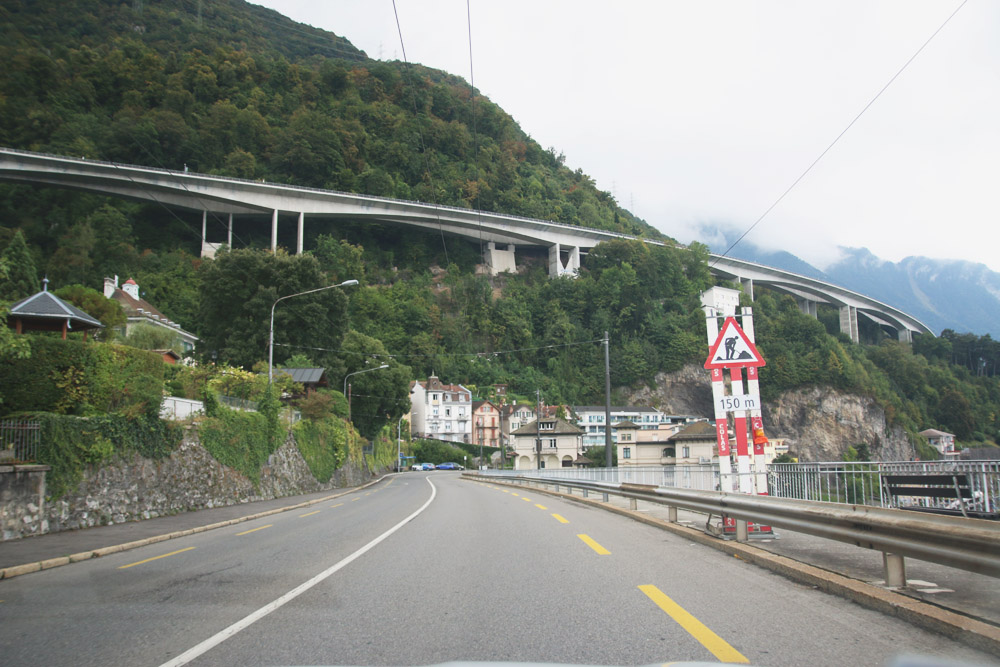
[(860, 483), (174, 407), (19, 439)]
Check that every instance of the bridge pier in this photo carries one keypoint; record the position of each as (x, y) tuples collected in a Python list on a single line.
[(849, 322), (298, 238), (499, 260), (229, 238), (274, 231), (807, 306), (747, 285), (556, 266), (905, 335)]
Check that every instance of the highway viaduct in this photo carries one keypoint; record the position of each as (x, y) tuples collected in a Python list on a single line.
[(227, 197)]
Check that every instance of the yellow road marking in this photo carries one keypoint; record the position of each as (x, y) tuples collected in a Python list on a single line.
[(541, 507), (354, 500), (713, 642), (601, 551), (526, 499), (560, 519), (254, 530), (308, 514), (337, 505), (172, 553), (506, 491), (512, 493)]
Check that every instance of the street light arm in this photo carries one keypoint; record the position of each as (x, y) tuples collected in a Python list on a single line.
[(270, 340)]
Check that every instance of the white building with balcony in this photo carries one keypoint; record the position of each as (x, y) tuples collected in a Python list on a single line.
[(560, 444), (590, 418), (440, 411)]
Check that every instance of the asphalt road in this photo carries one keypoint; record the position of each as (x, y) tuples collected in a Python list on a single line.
[(426, 568)]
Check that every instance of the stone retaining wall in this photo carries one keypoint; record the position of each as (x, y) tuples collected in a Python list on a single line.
[(135, 488)]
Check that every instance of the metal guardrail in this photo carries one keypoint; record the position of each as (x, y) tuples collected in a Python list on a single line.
[(968, 544), (19, 440)]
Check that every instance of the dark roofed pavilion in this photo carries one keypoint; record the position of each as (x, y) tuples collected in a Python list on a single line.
[(44, 311)]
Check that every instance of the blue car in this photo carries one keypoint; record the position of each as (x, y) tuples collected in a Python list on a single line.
[(450, 466)]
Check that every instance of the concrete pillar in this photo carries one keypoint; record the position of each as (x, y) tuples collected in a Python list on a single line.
[(229, 239), (747, 284), (298, 238), (633, 504), (499, 261), (204, 226), (807, 306), (555, 261), (742, 531), (905, 335), (274, 231), (573, 265), (672, 514), (895, 570), (849, 322)]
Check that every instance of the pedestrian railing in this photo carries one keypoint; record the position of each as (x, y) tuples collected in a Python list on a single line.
[(19, 440)]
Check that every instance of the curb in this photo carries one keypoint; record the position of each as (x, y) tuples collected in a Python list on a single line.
[(28, 568), (969, 631)]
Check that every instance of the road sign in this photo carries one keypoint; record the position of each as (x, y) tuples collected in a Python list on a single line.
[(733, 349)]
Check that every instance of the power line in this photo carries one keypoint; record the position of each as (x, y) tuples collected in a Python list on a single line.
[(843, 132), (481, 355)]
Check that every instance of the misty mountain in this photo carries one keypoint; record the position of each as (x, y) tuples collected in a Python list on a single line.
[(943, 294)]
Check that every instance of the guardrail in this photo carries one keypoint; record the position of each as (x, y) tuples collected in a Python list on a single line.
[(19, 440), (968, 544)]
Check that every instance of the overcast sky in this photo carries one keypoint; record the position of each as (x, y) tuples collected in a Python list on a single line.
[(702, 112)]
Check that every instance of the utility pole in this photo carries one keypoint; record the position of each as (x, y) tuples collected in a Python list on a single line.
[(538, 429), (607, 403)]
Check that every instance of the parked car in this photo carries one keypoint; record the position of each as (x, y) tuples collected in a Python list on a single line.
[(449, 466), (427, 466), (417, 466)]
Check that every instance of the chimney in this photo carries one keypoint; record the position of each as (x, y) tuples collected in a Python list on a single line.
[(131, 288), (110, 285)]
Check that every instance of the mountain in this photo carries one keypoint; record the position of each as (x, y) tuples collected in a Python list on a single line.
[(943, 294)]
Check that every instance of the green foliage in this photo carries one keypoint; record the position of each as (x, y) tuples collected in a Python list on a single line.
[(321, 404), (436, 451), (150, 337), (20, 278), (72, 377), (241, 440), (95, 304), (69, 444), (239, 289), (323, 444)]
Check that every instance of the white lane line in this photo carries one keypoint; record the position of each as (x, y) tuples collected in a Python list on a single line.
[(215, 640)]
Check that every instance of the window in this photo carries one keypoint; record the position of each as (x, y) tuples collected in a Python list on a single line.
[(626, 452), (434, 397), (687, 451), (552, 442), (447, 412), (669, 452), (547, 426), (626, 437)]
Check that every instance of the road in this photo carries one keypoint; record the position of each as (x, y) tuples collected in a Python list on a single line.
[(426, 568)]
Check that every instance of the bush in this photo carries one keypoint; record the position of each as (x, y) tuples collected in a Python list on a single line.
[(69, 444), (73, 377), (241, 440), (323, 445)]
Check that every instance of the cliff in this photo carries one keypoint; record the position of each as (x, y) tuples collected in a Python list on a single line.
[(818, 423)]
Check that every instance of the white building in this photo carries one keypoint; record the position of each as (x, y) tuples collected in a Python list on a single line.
[(590, 418), (723, 300), (941, 441), (560, 444), (693, 443), (440, 411)]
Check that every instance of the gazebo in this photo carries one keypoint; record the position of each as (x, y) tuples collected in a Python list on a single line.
[(45, 311)]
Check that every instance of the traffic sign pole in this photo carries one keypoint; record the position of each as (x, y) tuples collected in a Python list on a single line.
[(721, 417)]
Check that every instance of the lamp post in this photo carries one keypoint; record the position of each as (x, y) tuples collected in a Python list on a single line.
[(363, 370), (270, 344)]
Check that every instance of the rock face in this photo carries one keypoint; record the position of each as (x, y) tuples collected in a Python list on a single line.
[(818, 423), (135, 488)]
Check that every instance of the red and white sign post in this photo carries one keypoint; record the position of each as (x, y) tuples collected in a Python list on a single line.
[(732, 347)]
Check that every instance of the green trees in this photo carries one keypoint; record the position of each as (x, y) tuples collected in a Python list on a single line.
[(20, 279), (238, 289)]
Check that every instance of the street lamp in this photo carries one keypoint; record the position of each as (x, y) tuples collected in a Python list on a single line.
[(364, 370), (270, 345)]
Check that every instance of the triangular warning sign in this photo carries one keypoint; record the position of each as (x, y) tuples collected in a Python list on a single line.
[(732, 349)]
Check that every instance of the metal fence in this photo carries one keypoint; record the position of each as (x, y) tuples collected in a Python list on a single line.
[(19, 440), (836, 482), (861, 483)]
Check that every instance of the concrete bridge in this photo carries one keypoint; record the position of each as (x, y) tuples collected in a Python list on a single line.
[(500, 234)]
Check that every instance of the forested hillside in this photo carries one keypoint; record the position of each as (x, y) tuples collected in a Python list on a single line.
[(229, 88)]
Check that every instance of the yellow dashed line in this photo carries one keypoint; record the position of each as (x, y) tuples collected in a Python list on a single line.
[(713, 642), (560, 519), (527, 500), (309, 514), (601, 551), (541, 507), (254, 530), (172, 553), (337, 505), (354, 500)]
